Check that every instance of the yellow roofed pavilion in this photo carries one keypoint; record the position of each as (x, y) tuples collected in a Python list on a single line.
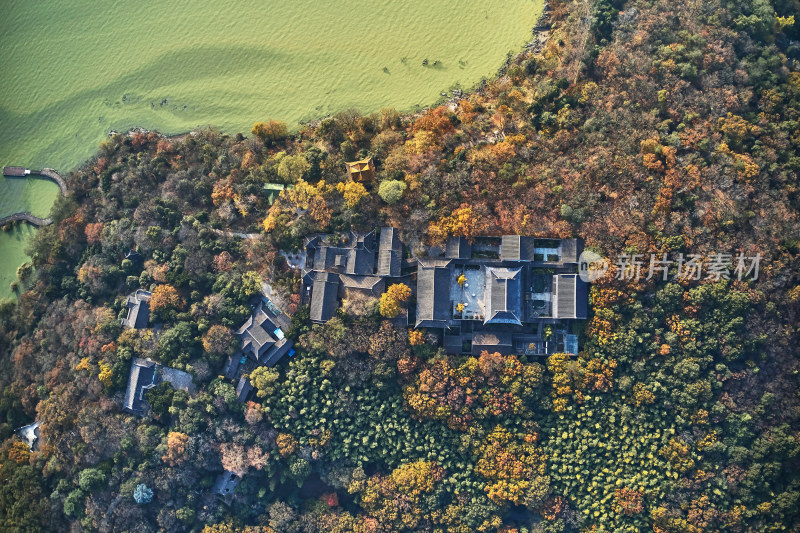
[(363, 170)]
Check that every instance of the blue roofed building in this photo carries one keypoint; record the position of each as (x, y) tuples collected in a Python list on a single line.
[(509, 294)]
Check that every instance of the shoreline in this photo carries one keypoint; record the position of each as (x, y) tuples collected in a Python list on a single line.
[(540, 32)]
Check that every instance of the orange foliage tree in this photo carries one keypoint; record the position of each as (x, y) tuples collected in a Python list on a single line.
[(165, 297)]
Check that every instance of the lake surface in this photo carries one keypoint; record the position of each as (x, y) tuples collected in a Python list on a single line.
[(27, 194), (21, 194), (75, 69), (12, 248)]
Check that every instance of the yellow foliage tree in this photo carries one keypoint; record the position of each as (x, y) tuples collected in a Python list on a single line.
[(286, 444), (421, 142), (463, 222), (513, 468), (222, 192), (176, 448), (264, 379), (105, 374), (352, 191), (19, 453), (418, 477), (642, 395), (391, 301), (295, 201), (416, 337)]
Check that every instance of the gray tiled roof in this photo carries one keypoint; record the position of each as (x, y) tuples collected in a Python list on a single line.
[(138, 304), (324, 295), (571, 250), (257, 333), (277, 352), (363, 283), (243, 389), (146, 374), (360, 261), (390, 253), (260, 338), (489, 339), (355, 256), (458, 248), (142, 378), (565, 296), (570, 295), (433, 295), (517, 248)]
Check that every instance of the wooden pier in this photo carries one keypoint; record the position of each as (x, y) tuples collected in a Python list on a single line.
[(27, 217), (22, 172), (49, 173)]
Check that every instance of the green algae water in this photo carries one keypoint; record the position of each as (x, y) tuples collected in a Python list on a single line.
[(12, 246), (73, 70), (30, 193)]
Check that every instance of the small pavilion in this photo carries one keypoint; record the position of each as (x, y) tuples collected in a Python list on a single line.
[(363, 170)]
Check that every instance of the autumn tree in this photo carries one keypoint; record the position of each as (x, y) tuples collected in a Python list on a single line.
[(391, 301), (219, 341), (223, 261), (94, 232), (177, 444), (629, 501), (303, 197), (417, 477), (270, 132), (18, 452), (286, 443), (352, 192), (165, 297), (463, 222), (416, 337), (233, 457), (514, 469), (106, 374)]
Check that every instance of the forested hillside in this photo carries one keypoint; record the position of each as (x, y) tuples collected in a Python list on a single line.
[(643, 127)]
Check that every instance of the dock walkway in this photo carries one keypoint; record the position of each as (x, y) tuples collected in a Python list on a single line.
[(22, 172), (26, 216)]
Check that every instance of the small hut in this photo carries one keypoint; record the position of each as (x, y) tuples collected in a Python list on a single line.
[(16, 172), (363, 170)]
